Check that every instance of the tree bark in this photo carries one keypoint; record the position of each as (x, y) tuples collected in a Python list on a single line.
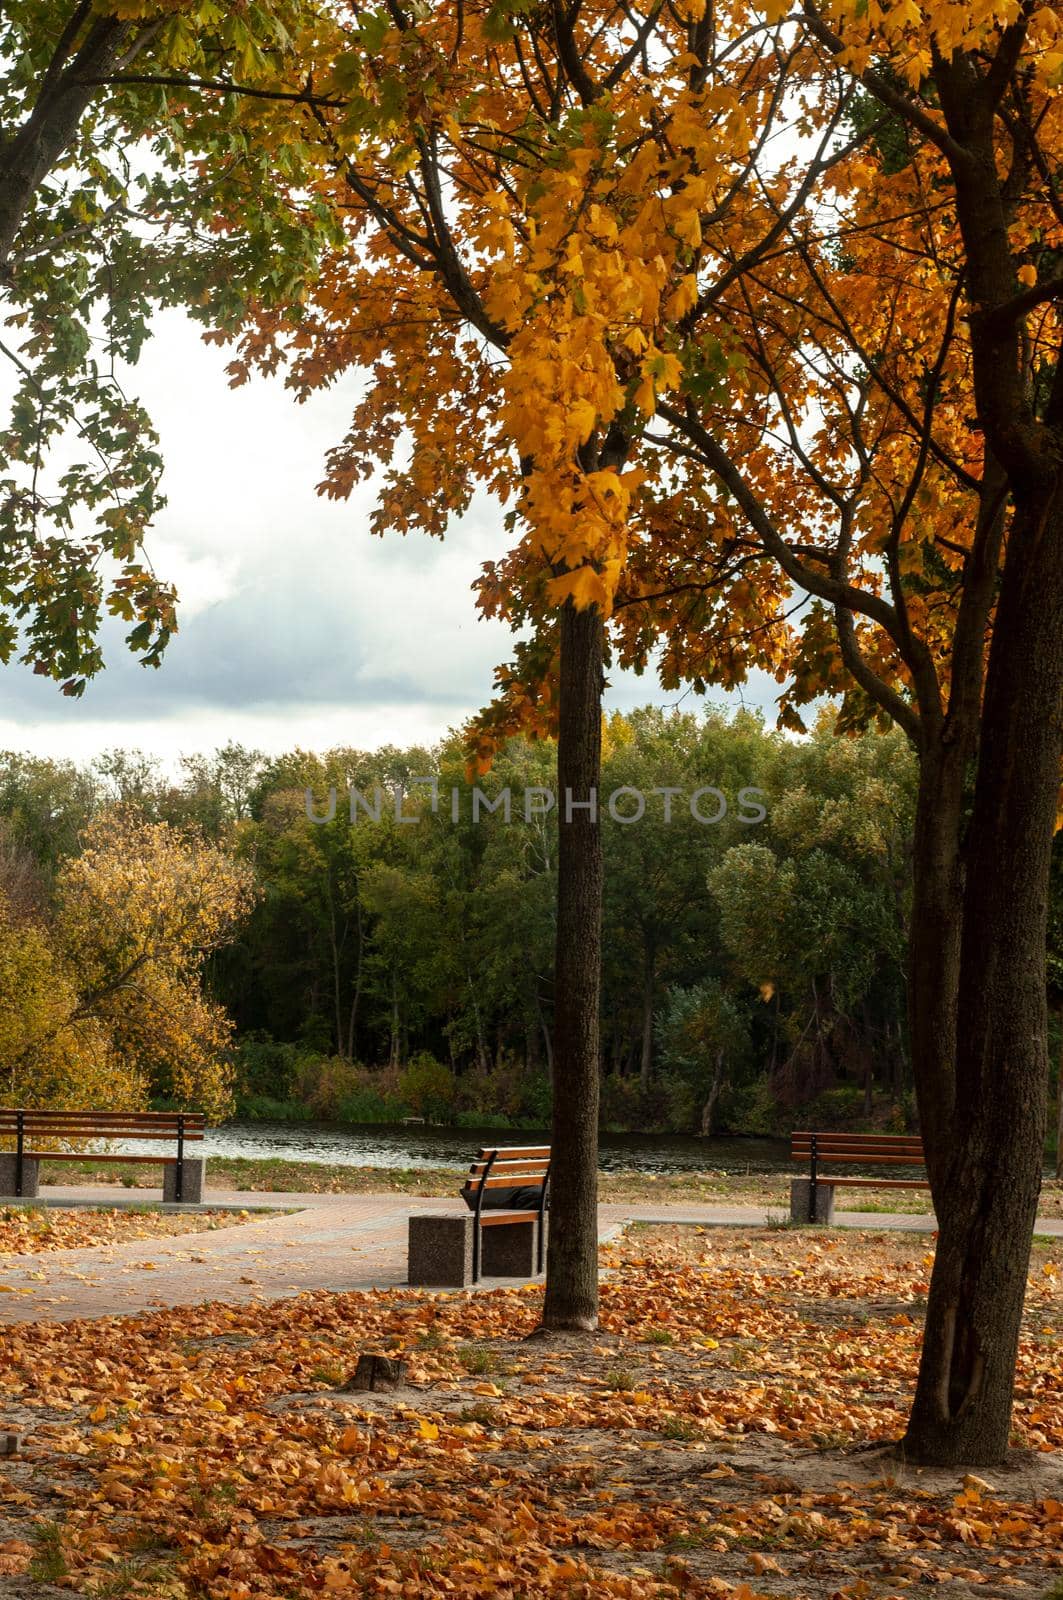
[(1059, 1110), (67, 89), (934, 951), (987, 1201), (708, 1110), (395, 1052), (571, 1299), (646, 1056), (352, 1021)]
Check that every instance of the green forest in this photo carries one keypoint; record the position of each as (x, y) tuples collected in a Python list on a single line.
[(379, 968)]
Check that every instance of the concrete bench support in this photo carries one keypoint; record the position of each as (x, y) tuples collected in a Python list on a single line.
[(799, 1198), (195, 1172), (31, 1175), (510, 1252), (441, 1251)]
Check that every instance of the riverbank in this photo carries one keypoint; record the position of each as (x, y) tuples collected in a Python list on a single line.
[(769, 1190)]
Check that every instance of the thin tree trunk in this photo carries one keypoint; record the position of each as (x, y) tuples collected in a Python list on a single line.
[(571, 1299), (352, 1020), (396, 1042), (335, 947), (646, 1057), (547, 1038), (987, 1203), (1059, 1108), (708, 1110), (482, 1060)]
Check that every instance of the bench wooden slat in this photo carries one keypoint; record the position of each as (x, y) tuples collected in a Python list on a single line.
[(514, 1152), (872, 1183), (41, 1114), (868, 1161), (80, 1156), (476, 1184), (850, 1159), (800, 1151), (523, 1179), (516, 1168), (71, 1132), (826, 1140), (532, 1165), (494, 1219), (804, 1145)]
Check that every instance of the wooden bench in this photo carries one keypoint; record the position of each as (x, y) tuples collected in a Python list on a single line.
[(455, 1250), (33, 1136), (812, 1198)]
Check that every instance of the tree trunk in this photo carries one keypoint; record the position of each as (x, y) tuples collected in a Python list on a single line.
[(987, 1203), (708, 1110), (482, 1059), (571, 1299), (646, 1057), (1059, 1109), (335, 949), (352, 1021), (395, 1054), (934, 950), (545, 1032), (68, 88)]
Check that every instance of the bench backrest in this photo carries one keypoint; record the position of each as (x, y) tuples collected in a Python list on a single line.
[(37, 1124), (889, 1149), (510, 1167)]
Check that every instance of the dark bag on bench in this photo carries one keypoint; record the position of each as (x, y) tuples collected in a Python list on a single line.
[(515, 1199)]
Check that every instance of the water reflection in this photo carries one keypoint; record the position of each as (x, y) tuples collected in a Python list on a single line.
[(377, 1146)]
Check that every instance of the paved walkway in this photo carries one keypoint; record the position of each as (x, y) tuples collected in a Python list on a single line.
[(318, 1241)]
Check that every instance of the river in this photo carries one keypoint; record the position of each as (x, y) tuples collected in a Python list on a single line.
[(353, 1145)]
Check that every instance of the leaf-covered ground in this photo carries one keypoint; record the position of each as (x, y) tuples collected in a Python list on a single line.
[(724, 1435), (27, 1231), (769, 1191)]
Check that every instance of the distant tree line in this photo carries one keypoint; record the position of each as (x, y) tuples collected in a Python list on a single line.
[(393, 966)]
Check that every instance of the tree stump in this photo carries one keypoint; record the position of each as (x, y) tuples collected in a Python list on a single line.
[(377, 1372)]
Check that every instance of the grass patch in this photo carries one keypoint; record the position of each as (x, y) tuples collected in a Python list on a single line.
[(480, 1360), (49, 1563), (679, 1429)]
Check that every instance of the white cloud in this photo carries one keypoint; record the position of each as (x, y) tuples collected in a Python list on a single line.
[(297, 626)]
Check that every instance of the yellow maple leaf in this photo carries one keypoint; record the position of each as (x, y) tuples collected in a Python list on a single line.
[(584, 587)]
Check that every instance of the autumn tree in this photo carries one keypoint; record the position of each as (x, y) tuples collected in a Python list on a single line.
[(523, 196), (907, 419), (52, 1056), (102, 999), (140, 909)]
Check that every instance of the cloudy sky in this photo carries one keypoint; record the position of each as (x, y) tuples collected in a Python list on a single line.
[(297, 625)]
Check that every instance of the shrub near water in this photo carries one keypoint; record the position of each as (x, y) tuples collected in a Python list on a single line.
[(284, 1082)]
